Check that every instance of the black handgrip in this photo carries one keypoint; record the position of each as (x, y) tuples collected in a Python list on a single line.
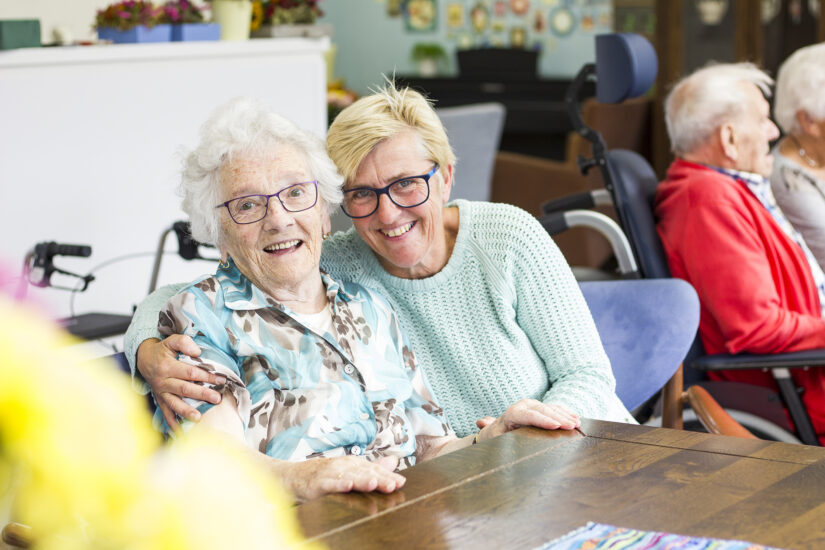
[(188, 248), (554, 223), (81, 250), (579, 201), (50, 249)]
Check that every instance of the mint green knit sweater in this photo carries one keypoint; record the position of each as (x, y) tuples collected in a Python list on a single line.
[(503, 320)]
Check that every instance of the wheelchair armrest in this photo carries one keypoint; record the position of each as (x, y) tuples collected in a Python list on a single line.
[(579, 201), (558, 222), (554, 223), (711, 415), (744, 361)]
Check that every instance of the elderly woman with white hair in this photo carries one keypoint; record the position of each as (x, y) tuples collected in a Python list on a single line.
[(308, 367), (798, 178)]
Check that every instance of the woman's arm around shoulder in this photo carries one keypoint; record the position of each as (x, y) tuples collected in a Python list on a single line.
[(173, 367)]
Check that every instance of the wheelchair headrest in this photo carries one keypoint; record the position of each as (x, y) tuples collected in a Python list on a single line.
[(626, 66)]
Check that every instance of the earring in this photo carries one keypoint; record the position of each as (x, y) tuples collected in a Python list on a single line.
[(326, 235), (223, 265)]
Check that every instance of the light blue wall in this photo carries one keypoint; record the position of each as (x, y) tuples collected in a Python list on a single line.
[(370, 42)]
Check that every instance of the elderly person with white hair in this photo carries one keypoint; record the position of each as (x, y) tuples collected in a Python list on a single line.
[(760, 288), (798, 178), (314, 373)]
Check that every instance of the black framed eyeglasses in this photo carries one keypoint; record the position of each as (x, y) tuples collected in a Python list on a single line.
[(361, 202), (253, 208)]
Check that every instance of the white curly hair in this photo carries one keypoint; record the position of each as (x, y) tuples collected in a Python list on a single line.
[(244, 126), (799, 87)]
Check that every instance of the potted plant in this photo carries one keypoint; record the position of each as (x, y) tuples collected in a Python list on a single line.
[(291, 18), (428, 55), (234, 17), (188, 22), (132, 21)]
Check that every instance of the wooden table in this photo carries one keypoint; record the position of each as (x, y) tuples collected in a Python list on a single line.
[(529, 486)]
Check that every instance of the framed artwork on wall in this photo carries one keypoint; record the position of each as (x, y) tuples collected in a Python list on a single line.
[(420, 15), (455, 15), (562, 21), (479, 17), (519, 7), (393, 8)]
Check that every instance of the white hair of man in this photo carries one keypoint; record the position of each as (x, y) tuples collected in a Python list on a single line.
[(702, 101), (799, 87), (246, 126)]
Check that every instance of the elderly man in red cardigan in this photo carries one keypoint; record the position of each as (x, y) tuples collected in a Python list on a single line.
[(760, 288)]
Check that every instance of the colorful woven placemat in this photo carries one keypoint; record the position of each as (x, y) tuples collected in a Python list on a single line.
[(598, 536)]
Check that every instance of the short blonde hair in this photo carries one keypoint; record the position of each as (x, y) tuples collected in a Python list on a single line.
[(359, 128), (799, 86), (702, 101)]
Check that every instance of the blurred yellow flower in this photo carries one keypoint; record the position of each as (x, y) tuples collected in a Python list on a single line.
[(89, 471), (257, 15)]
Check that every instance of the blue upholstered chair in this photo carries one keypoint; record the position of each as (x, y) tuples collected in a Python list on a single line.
[(647, 327)]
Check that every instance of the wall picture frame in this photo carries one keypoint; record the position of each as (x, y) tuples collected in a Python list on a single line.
[(420, 15)]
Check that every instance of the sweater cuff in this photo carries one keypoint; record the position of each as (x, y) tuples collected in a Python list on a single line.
[(132, 341)]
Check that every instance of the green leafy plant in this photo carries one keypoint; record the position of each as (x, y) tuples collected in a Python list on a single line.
[(284, 12), (129, 14), (428, 50)]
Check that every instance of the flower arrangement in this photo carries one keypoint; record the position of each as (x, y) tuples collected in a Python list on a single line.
[(182, 11), (83, 467), (284, 12), (129, 14)]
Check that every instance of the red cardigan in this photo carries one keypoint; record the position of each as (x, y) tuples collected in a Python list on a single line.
[(754, 283)]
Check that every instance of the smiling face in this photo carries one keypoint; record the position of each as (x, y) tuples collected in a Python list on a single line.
[(411, 243), (279, 253), (754, 131)]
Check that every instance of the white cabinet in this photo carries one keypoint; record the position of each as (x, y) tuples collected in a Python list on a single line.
[(90, 141)]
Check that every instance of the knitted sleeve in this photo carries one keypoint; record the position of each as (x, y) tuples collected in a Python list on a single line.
[(144, 326), (552, 312), (342, 256)]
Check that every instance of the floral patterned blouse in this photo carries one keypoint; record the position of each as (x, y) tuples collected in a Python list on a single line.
[(300, 394)]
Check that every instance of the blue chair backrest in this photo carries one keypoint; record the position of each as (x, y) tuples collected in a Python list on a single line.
[(626, 66), (633, 184), (633, 187), (646, 327)]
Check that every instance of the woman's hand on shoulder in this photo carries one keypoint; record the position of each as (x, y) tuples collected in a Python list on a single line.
[(528, 412), (170, 379), (317, 477)]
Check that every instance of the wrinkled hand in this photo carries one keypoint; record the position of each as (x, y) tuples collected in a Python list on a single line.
[(170, 379), (317, 477), (528, 412)]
